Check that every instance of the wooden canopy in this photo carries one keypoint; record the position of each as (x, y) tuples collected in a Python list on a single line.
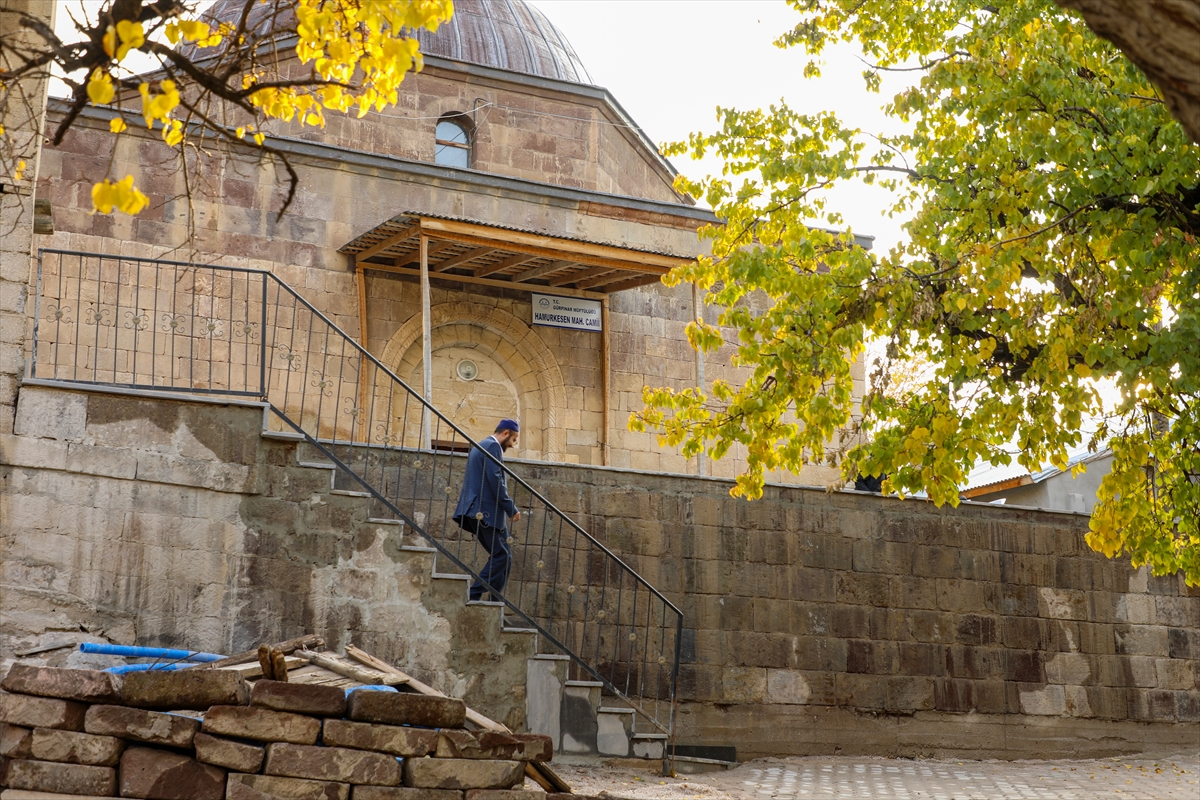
[(471, 252)]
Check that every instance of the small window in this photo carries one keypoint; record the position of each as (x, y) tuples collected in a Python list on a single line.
[(453, 144)]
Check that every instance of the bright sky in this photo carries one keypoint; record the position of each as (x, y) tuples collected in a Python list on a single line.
[(670, 63)]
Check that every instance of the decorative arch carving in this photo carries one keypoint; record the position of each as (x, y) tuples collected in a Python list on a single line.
[(491, 331)]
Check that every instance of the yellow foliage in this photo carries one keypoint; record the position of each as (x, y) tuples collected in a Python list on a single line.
[(100, 87), (121, 195)]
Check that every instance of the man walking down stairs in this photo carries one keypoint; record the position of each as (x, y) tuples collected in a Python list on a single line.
[(484, 507)]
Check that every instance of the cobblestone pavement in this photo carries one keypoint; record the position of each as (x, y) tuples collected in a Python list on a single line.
[(844, 777)]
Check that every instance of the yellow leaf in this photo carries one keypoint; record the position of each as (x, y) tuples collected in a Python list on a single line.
[(121, 195), (117, 125), (20, 172), (259, 139), (100, 87), (961, 303), (110, 41), (132, 36), (1083, 370)]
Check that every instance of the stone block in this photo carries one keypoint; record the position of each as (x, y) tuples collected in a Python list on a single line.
[(1046, 701), (787, 687), (1174, 673), (164, 775), (408, 793), (236, 756), (1142, 640), (196, 689), (41, 712), (75, 748), (139, 725), (299, 698), (1070, 668), (955, 695), (262, 725), (15, 741), (494, 745), (908, 694), (1078, 704), (393, 739), (51, 776), (270, 787), (332, 764), (861, 691), (503, 794), (397, 708), (459, 773), (84, 685)]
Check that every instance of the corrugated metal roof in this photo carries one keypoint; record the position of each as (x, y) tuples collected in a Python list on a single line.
[(397, 223)]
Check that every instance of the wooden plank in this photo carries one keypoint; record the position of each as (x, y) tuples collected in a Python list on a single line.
[(545, 269), (608, 277), (367, 677), (503, 264), (426, 344), (632, 283), (363, 364), (580, 276), (376, 249), (461, 258), (414, 263), (532, 241), (541, 773), (999, 486), (292, 645), (254, 670), (450, 276), (605, 380)]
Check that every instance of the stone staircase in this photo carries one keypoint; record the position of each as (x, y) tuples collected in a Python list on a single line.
[(576, 714)]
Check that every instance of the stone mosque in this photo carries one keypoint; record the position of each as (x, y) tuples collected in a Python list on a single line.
[(493, 246), (502, 138)]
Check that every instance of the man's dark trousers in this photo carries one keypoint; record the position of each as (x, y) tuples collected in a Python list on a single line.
[(495, 541)]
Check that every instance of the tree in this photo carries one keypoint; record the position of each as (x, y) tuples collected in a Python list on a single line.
[(212, 82), (1051, 272)]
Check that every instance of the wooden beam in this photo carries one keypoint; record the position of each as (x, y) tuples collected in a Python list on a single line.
[(451, 276), (545, 269), (426, 344), (361, 276), (605, 380), (462, 258), (632, 283), (607, 276), (505, 263), (580, 276), (376, 249), (414, 263), (528, 242), (249, 656)]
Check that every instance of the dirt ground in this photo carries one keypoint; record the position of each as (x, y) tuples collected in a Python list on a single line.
[(836, 777)]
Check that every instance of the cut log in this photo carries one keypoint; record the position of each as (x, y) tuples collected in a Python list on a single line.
[(365, 676), (292, 645), (264, 661), (278, 665)]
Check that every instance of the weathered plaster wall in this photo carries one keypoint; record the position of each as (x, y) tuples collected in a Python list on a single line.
[(172, 523), (846, 622)]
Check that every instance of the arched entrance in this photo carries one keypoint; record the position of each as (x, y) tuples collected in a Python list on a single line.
[(487, 364)]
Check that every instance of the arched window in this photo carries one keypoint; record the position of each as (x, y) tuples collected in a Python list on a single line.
[(453, 141)]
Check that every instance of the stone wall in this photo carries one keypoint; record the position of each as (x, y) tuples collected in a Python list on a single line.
[(171, 523), (846, 622)]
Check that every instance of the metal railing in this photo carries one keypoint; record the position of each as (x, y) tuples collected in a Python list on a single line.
[(187, 328)]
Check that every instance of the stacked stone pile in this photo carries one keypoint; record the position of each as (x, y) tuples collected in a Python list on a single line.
[(207, 734)]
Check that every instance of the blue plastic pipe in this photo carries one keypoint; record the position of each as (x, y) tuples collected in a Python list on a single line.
[(378, 687), (123, 668), (146, 652)]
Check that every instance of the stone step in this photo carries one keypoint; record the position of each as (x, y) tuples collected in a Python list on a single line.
[(595, 684), (283, 436), (350, 493)]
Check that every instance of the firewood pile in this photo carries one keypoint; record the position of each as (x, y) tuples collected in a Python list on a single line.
[(298, 724)]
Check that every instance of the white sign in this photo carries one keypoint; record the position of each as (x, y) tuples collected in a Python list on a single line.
[(566, 312)]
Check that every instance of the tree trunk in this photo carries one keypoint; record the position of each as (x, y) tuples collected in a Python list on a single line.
[(1160, 36)]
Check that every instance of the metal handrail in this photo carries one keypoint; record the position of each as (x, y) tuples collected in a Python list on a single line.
[(246, 333)]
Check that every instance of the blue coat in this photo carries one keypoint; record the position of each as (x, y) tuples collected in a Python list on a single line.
[(485, 488)]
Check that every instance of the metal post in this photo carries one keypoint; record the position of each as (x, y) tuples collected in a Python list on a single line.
[(426, 345)]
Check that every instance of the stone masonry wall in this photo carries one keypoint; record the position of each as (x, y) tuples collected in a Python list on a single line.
[(170, 523), (845, 622)]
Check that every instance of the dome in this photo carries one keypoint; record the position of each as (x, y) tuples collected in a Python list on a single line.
[(506, 34)]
